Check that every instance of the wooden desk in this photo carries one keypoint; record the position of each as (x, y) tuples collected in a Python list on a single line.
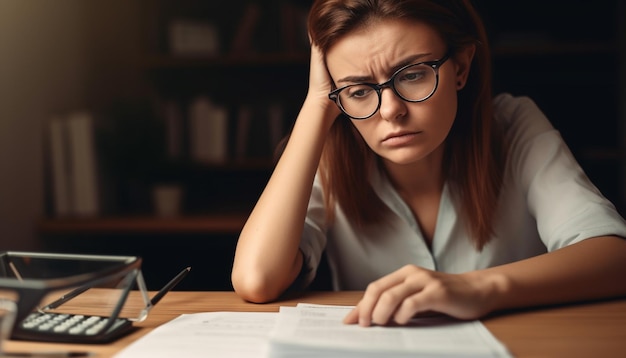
[(585, 330)]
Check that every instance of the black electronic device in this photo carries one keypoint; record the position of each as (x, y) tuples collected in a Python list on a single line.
[(53, 291)]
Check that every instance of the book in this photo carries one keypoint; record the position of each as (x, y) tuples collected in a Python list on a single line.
[(244, 36), (59, 166), (173, 118), (73, 165), (259, 129), (275, 124), (83, 174), (293, 31), (209, 131), (244, 121)]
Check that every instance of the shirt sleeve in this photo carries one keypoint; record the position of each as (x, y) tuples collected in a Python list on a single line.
[(566, 205), (313, 241)]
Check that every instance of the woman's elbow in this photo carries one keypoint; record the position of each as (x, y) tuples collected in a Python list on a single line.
[(254, 287)]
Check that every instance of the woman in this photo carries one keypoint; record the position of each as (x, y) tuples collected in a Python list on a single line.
[(423, 189)]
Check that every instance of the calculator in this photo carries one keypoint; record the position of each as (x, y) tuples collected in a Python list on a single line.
[(35, 280), (79, 328), (70, 328)]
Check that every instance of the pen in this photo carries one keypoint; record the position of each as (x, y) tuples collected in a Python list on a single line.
[(173, 282), (66, 297), (49, 354)]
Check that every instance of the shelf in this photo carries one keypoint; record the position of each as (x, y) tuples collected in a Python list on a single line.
[(209, 224), (227, 165), (550, 48), (156, 62), (603, 154)]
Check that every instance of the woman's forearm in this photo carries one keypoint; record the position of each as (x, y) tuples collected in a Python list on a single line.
[(267, 258), (592, 269)]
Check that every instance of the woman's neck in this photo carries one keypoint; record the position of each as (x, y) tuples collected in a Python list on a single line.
[(420, 185), (422, 177)]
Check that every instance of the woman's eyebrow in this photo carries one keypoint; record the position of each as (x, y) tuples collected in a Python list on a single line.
[(403, 62), (413, 59), (355, 79)]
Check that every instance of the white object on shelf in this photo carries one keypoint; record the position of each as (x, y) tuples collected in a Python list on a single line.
[(188, 37)]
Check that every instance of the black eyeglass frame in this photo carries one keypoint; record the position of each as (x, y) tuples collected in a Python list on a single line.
[(435, 65), (91, 271)]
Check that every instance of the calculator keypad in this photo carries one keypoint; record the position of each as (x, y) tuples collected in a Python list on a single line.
[(73, 324)]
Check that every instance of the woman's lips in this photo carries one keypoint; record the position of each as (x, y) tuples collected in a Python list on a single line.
[(400, 138)]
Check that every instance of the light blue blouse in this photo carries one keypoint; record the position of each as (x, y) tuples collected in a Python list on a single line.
[(547, 202)]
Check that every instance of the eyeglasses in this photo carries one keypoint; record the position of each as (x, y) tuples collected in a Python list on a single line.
[(413, 83), (46, 289)]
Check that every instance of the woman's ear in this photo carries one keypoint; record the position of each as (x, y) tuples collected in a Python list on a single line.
[(463, 62)]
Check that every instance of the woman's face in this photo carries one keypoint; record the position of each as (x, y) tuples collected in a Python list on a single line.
[(400, 132)]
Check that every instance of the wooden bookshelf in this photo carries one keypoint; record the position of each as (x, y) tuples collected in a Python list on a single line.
[(541, 46), (197, 224), (550, 49), (166, 61)]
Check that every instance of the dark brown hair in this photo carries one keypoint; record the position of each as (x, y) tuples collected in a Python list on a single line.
[(474, 154)]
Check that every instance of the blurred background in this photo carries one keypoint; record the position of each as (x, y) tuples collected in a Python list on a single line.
[(148, 127)]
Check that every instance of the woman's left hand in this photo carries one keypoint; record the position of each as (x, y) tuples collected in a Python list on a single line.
[(411, 290)]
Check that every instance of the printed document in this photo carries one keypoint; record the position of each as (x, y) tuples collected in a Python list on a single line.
[(208, 334), (311, 330), (317, 330)]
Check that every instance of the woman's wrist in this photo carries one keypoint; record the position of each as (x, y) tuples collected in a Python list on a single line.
[(493, 288), (320, 107)]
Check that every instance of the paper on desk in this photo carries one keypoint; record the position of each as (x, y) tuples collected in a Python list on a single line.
[(317, 330), (209, 334), (313, 331)]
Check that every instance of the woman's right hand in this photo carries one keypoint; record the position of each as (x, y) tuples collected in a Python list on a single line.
[(320, 83)]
